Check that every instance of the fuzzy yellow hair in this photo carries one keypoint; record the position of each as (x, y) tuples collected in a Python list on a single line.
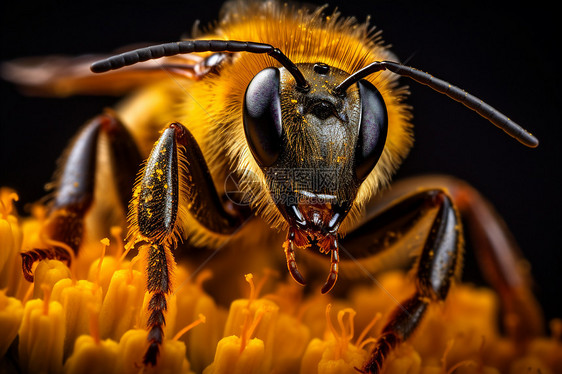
[(213, 108)]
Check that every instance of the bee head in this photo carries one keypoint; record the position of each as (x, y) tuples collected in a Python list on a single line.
[(314, 145)]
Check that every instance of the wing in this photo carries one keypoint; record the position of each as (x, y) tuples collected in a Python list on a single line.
[(64, 75)]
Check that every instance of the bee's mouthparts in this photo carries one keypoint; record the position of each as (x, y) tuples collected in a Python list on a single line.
[(314, 220)]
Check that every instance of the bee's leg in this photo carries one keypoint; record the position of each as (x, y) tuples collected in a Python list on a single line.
[(497, 253), (175, 180), (404, 211), (160, 265), (437, 265), (75, 186)]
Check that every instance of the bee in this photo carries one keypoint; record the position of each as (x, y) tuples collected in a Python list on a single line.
[(303, 112)]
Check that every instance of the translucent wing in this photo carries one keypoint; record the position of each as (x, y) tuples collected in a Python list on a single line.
[(66, 75)]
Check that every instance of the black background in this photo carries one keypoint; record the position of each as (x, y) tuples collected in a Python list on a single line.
[(504, 53)]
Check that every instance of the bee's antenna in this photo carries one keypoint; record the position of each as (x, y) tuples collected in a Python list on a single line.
[(190, 46), (455, 93)]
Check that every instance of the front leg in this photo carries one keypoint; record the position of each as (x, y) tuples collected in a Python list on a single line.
[(175, 182), (436, 267)]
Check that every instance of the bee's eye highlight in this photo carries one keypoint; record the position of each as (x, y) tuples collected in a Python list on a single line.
[(262, 116), (372, 129)]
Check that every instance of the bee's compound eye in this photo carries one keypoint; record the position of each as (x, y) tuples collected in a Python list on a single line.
[(372, 129), (262, 116)]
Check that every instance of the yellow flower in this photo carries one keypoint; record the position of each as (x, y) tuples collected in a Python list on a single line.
[(92, 318)]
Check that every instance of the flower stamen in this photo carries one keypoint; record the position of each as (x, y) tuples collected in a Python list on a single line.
[(343, 338), (105, 243), (116, 232), (448, 348), (359, 343), (202, 319)]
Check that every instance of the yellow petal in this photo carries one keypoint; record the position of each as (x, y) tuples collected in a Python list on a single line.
[(405, 360), (108, 266), (77, 300), (291, 340), (122, 303), (203, 339), (252, 358), (529, 364), (240, 312), (132, 347), (549, 351), (230, 359), (11, 314), (312, 356), (320, 357), (48, 272), (92, 357), (41, 337), (11, 237)]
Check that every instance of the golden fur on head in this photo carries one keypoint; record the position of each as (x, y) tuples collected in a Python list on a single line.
[(213, 108)]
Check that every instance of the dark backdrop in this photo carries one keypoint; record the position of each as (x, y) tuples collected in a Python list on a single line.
[(503, 53)]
